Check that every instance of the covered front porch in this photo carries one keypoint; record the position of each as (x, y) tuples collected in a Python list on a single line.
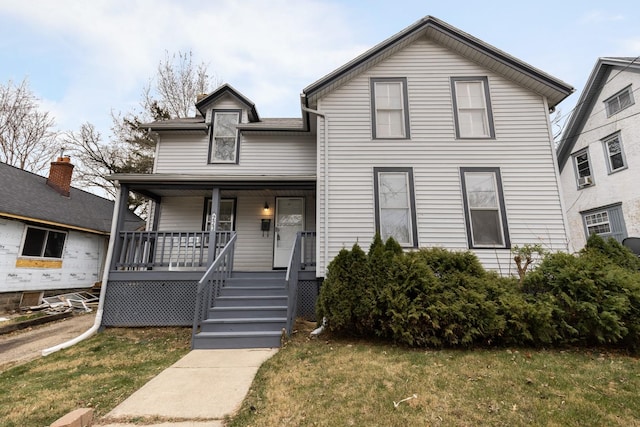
[(158, 276)]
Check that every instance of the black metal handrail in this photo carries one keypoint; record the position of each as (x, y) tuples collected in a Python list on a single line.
[(212, 280)]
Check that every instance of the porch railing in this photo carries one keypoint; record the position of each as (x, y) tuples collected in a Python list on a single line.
[(211, 282), (302, 257), (144, 250)]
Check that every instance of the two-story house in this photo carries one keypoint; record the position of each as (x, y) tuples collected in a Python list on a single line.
[(599, 155), (432, 137)]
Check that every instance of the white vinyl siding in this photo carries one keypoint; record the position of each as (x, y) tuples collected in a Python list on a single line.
[(259, 155), (522, 149)]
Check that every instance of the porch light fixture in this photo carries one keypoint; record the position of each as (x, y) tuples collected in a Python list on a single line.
[(266, 207)]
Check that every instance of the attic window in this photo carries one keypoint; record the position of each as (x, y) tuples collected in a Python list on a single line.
[(224, 137), (619, 101)]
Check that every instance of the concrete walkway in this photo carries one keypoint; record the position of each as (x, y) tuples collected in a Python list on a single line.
[(199, 390)]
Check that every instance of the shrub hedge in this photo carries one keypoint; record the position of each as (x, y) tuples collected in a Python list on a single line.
[(439, 298)]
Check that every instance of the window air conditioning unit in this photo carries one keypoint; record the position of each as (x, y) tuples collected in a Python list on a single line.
[(583, 181)]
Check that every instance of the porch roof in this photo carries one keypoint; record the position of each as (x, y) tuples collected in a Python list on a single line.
[(157, 185)]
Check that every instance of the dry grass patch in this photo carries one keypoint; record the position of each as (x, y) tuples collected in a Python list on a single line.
[(338, 382), (99, 373)]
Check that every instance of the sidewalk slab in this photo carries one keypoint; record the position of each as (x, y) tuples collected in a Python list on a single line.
[(204, 384)]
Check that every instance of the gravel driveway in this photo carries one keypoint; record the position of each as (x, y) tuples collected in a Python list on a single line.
[(25, 345)]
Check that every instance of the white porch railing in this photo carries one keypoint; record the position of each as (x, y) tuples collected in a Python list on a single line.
[(144, 250)]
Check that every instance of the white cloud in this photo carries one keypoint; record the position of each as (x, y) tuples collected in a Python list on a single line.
[(268, 50)]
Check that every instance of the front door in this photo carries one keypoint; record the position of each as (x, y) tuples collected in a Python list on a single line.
[(289, 219)]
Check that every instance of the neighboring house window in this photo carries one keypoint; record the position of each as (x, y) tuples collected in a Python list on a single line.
[(582, 166), (484, 208), (43, 243), (614, 153), (390, 108), (395, 205), (606, 222), (619, 101), (226, 215), (224, 137), (472, 107)]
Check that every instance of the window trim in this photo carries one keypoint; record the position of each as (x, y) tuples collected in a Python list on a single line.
[(487, 101), (607, 102), (42, 256), (405, 107), (502, 211), (574, 160), (412, 200), (210, 159), (609, 209), (207, 209), (607, 155)]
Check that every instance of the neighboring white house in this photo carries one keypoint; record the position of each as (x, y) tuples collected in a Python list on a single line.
[(599, 154), (433, 137), (53, 237)]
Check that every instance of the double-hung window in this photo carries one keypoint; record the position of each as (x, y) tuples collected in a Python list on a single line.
[(614, 153), (395, 205), (484, 208), (224, 137), (390, 107), (582, 166), (619, 101), (226, 215), (43, 243), (472, 107)]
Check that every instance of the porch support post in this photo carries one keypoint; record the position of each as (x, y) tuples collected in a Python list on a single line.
[(119, 219), (215, 210)]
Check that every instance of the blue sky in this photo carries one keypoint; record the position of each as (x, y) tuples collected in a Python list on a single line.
[(84, 59)]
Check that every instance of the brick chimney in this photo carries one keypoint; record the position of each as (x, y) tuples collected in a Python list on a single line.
[(60, 175)]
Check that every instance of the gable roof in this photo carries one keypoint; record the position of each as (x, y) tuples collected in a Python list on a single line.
[(227, 89), (464, 44), (592, 88), (26, 196)]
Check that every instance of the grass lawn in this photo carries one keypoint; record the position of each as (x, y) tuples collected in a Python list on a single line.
[(99, 373), (324, 382)]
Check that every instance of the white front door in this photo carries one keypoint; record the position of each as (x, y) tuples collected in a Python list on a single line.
[(289, 219)]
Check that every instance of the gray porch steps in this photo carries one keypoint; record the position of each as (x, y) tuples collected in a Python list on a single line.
[(250, 312)]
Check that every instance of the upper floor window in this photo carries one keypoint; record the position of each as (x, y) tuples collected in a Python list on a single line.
[(472, 107), (390, 108), (43, 243), (614, 153), (484, 208), (224, 137), (582, 166), (395, 205), (619, 101)]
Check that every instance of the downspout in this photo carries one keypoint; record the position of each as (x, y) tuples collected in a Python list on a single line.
[(325, 167), (103, 288)]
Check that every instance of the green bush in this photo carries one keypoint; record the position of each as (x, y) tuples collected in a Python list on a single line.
[(345, 298), (439, 298)]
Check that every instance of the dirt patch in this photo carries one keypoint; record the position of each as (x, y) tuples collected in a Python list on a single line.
[(25, 345)]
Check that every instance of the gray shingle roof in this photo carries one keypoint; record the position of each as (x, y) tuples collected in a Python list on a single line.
[(27, 195)]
